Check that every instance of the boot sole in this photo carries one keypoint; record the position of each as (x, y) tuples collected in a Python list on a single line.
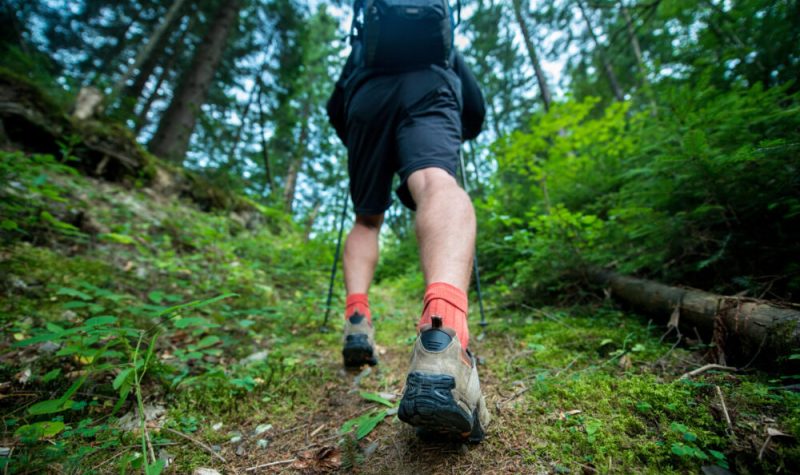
[(358, 352), (428, 405)]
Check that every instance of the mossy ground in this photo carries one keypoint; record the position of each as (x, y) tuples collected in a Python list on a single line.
[(572, 390)]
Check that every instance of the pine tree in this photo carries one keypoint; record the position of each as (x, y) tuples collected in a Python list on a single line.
[(171, 140)]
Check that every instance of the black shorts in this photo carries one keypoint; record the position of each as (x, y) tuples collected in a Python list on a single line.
[(400, 124)]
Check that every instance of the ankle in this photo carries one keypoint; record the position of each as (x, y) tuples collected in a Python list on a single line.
[(357, 304), (450, 304)]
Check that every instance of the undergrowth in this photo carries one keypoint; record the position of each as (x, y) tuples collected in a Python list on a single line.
[(133, 321)]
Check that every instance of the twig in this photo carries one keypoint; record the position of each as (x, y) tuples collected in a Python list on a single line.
[(197, 442), (671, 349), (758, 352), (706, 368), (697, 334), (587, 467), (567, 367), (271, 464), (764, 447), (724, 409), (8, 460), (330, 437), (316, 431), (150, 446), (291, 429), (544, 314), (124, 449)]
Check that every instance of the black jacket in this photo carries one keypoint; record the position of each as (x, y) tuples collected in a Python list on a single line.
[(472, 115)]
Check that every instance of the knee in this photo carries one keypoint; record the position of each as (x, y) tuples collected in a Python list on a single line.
[(428, 181)]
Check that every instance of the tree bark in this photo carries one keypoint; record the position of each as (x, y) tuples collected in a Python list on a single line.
[(612, 78), (312, 217), (743, 329), (141, 117), (149, 67), (537, 68), (637, 52), (177, 124), (297, 161), (264, 149), (146, 49)]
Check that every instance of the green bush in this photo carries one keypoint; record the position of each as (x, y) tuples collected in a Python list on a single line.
[(706, 193)]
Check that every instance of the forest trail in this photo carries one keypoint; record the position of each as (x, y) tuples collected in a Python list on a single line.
[(241, 379), (393, 447)]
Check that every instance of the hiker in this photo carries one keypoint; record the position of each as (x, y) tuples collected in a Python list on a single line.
[(403, 104)]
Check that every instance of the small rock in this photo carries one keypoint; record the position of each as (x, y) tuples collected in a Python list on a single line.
[(217, 426), (16, 283), (167, 457), (236, 437), (69, 315), (205, 471), (23, 376), (262, 443), (255, 358), (240, 451), (371, 448), (48, 347), (261, 428), (363, 374), (152, 412)]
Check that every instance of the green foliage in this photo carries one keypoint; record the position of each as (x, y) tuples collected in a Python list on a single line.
[(28, 186), (110, 330), (681, 195)]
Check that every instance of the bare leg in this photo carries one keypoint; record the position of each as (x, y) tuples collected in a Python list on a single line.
[(361, 253), (445, 227)]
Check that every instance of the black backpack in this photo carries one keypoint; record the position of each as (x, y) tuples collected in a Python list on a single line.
[(403, 35)]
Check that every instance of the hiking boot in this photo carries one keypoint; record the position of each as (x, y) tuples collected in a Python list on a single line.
[(443, 394), (359, 342)]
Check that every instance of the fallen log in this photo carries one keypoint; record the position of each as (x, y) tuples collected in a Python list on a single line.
[(743, 330)]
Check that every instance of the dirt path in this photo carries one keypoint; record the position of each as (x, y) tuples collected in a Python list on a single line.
[(591, 390), (393, 446)]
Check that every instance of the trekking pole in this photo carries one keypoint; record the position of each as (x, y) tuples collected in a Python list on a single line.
[(475, 258), (335, 261)]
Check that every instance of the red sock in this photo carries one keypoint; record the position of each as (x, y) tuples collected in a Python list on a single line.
[(357, 303), (450, 303)]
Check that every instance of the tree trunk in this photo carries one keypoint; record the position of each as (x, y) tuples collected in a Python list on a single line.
[(177, 124), (742, 329), (297, 162), (637, 52), (141, 118), (146, 49), (537, 68), (264, 150), (612, 78), (312, 217), (148, 68)]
